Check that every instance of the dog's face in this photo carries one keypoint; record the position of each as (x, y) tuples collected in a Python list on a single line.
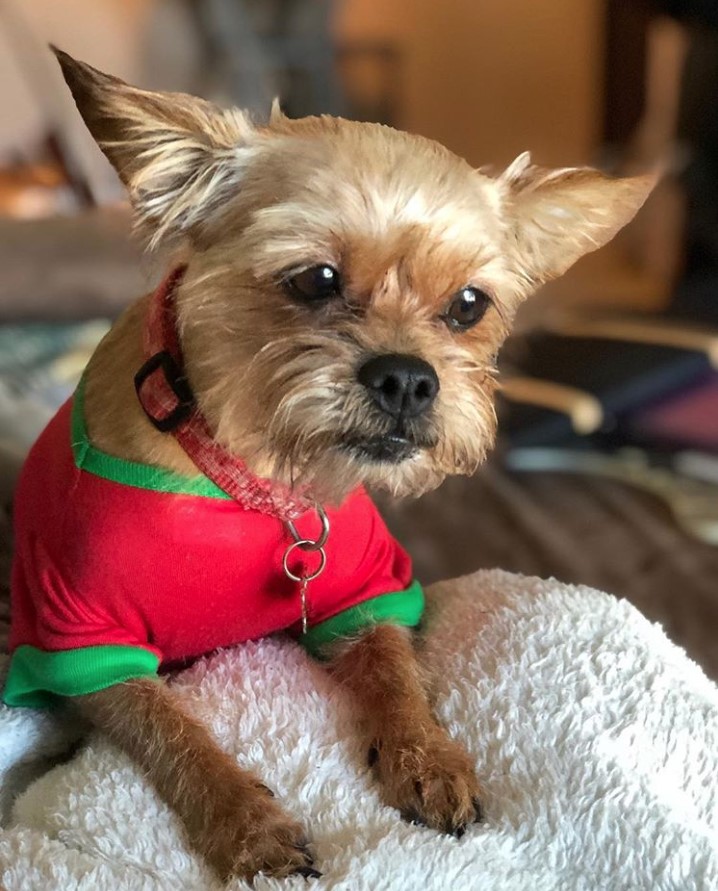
[(343, 315), (348, 285)]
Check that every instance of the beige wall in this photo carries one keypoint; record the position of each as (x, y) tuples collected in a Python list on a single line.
[(491, 78), (103, 32), (143, 41)]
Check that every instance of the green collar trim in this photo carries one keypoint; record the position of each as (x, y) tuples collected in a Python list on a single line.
[(396, 608), (131, 473)]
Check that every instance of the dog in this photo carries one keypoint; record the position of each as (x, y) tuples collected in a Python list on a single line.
[(332, 323)]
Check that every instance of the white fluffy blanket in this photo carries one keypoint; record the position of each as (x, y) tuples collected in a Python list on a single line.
[(597, 741)]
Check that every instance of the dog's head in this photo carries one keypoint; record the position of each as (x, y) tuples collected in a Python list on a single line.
[(348, 285)]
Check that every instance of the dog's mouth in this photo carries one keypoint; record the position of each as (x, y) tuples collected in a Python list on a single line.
[(391, 448)]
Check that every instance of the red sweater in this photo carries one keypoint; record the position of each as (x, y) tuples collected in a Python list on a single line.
[(120, 567)]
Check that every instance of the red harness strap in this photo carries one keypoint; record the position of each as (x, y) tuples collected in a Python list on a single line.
[(167, 399)]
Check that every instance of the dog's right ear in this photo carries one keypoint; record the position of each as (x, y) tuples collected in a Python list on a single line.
[(180, 157)]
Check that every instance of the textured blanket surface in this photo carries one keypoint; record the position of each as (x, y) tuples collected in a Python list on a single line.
[(596, 738)]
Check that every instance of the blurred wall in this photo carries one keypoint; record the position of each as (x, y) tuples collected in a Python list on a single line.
[(491, 78), (148, 42), (104, 33)]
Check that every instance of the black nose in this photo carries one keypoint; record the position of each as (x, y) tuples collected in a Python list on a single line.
[(402, 386)]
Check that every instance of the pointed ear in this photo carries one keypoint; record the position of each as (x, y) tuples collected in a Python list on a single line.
[(179, 157), (558, 216)]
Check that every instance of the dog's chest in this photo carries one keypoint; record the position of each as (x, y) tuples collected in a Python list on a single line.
[(203, 573), (189, 574), (112, 562)]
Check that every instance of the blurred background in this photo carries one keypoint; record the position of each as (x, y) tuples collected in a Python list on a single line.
[(607, 467)]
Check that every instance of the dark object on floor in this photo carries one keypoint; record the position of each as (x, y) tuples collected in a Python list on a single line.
[(624, 377), (578, 529)]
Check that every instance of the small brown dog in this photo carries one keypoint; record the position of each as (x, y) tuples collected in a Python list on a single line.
[(344, 292)]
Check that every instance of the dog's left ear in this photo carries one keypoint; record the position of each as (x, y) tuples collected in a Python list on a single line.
[(557, 216), (180, 157)]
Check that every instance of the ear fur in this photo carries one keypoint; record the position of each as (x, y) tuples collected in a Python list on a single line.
[(179, 157), (276, 115), (559, 215)]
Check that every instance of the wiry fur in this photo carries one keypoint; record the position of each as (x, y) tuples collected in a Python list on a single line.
[(177, 165), (407, 225), (425, 774), (230, 816)]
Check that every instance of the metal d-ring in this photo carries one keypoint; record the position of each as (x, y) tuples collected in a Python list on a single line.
[(307, 544), (312, 575)]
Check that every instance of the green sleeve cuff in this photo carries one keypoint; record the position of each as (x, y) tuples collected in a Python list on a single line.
[(398, 608), (36, 678)]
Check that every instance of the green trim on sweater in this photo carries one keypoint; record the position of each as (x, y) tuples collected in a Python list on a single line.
[(37, 677), (397, 608), (130, 473)]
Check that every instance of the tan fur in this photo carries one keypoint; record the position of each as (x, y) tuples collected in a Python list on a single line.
[(407, 225), (229, 816), (423, 773), (115, 421)]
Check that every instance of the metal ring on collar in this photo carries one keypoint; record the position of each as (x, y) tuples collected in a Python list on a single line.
[(312, 575), (307, 544)]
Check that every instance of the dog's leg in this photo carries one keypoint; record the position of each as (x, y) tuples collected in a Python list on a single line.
[(230, 817), (423, 772)]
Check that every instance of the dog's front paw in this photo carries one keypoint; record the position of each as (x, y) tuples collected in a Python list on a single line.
[(430, 779), (249, 833)]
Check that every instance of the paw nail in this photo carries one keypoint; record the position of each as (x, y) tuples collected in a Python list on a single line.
[(372, 756), (412, 817), (268, 791), (308, 872), (459, 831)]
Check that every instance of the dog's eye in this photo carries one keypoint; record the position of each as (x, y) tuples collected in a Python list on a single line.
[(315, 283), (466, 308)]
